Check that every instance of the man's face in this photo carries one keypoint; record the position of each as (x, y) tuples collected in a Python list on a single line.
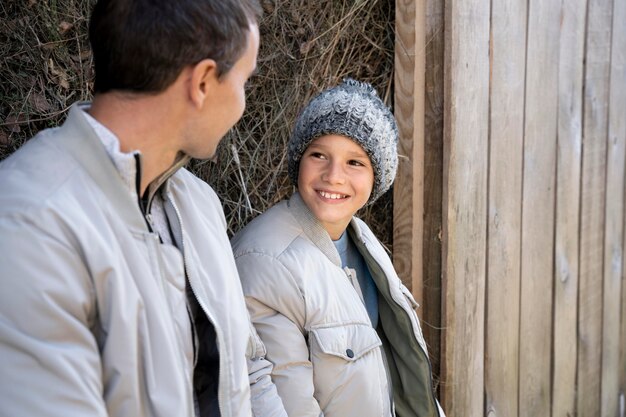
[(225, 104)]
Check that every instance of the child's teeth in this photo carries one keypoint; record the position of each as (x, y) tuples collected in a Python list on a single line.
[(332, 196)]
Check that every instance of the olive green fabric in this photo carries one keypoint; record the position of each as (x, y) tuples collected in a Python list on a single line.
[(407, 360)]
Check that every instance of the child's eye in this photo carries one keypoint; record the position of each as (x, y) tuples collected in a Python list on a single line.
[(356, 163), (317, 155)]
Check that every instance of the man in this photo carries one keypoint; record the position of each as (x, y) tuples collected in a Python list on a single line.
[(120, 296)]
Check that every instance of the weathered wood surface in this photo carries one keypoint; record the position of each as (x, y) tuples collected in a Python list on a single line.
[(506, 139), (566, 245), (614, 217), (465, 204), (533, 204), (409, 112), (433, 179), (538, 207), (596, 98)]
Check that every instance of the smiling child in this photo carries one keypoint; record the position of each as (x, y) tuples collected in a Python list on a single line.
[(337, 323)]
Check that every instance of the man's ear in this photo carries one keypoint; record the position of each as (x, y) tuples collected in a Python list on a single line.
[(204, 75)]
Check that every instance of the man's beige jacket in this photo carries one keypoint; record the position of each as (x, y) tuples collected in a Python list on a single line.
[(93, 320)]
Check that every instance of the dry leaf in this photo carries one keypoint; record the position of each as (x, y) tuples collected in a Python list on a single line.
[(13, 123), (84, 55), (59, 76), (39, 102), (4, 138), (268, 6), (305, 47), (64, 27)]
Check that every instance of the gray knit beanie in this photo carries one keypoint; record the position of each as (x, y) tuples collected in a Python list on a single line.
[(351, 109)]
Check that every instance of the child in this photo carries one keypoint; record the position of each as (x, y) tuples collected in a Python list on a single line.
[(337, 323)]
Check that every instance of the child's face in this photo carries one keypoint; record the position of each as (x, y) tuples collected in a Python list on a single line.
[(335, 180)]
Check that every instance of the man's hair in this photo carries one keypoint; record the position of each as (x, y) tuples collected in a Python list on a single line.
[(143, 45)]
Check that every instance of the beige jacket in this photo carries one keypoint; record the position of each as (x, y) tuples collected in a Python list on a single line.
[(328, 360), (93, 316)]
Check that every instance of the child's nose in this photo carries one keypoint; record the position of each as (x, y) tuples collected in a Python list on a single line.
[(334, 174)]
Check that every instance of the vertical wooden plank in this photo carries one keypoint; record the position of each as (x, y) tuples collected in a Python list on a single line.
[(538, 207), (433, 180), (409, 112), (508, 45), (622, 361), (465, 204), (572, 42), (596, 97), (614, 217)]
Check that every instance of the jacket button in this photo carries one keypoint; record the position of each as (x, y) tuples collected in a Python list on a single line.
[(350, 353)]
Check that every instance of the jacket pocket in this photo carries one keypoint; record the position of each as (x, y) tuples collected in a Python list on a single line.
[(347, 341), (347, 362)]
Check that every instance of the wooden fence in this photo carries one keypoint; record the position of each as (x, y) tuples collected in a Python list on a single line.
[(509, 207)]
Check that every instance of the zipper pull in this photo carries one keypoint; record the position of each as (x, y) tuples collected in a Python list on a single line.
[(355, 282), (348, 273), (149, 219)]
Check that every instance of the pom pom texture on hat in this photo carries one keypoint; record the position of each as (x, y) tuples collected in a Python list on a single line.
[(351, 109)]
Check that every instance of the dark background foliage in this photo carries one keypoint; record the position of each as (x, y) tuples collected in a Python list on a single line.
[(46, 65)]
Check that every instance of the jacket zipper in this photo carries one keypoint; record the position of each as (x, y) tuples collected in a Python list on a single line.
[(430, 371), (355, 284), (143, 206), (220, 395), (357, 287)]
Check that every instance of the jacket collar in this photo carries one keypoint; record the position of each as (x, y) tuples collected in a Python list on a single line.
[(155, 185), (78, 138), (129, 164), (314, 230)]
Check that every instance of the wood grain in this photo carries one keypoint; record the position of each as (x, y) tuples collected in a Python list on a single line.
[(566, 255), (538, 207), (409, 112), (596, 97), (433, 179), (465, 204), (614, 217), (506, 138)]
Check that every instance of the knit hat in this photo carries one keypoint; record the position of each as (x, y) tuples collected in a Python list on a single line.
[(351, 109)]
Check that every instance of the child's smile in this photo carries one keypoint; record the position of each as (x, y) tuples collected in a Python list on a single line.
[(335, 180), (331, 196)]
